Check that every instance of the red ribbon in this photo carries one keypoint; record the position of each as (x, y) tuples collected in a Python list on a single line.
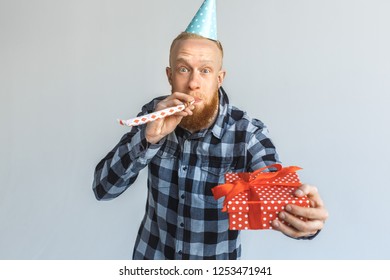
[(246, 183)]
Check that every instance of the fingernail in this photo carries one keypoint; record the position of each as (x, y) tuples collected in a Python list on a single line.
[(299, 192), (282, 216), (276, 223), (288, 208)]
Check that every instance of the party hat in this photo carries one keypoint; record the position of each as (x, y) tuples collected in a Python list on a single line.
[(204, 22)]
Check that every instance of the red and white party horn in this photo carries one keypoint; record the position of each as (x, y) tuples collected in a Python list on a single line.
[(154, 116)]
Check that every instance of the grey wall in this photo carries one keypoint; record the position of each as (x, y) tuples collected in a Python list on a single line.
[(316, 72)]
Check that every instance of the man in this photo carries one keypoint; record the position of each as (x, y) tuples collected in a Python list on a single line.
[(187, 154)]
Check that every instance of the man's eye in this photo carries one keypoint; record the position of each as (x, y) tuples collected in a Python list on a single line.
[(206, 71), (183, 69)]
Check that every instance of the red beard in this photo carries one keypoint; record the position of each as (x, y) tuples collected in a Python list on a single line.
[(201, 118)]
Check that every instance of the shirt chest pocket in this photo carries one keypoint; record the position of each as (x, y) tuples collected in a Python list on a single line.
[(212, 174)]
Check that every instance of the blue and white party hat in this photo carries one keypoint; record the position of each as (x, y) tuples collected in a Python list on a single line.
[(204, 22)]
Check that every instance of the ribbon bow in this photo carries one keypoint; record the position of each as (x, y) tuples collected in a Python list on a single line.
[(246, 183)]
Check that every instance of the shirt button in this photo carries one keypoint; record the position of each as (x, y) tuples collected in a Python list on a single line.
[(182, 196), (180, 252), (184, 168), (182, 224)]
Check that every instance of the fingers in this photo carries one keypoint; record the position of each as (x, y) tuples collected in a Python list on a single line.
[(159, 128), (302, 221), (311, 213), (187, 111), (299, 223), (317, 208), (176, 98), (295, 226), (292, 231), (312, 193)]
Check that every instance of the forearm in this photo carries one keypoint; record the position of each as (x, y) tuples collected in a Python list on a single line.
[(119, 169)]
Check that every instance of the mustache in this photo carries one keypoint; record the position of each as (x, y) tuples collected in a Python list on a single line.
[(196, 93)]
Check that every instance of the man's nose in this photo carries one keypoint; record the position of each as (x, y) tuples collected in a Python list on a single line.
[(194, 82)]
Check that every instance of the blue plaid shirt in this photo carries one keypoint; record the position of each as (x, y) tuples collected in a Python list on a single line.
[(182, 219)]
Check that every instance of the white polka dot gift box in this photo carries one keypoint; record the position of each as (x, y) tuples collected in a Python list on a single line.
[(254, 200)]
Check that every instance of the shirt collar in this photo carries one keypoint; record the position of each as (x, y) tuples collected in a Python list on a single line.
[(219, 126)]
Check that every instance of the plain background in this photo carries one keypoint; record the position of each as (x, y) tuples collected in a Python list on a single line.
[(316, 72)]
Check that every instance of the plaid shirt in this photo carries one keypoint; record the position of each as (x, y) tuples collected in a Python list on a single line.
[(182, 219)]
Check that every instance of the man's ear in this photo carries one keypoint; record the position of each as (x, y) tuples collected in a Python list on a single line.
[(168, 71), (221, 77)]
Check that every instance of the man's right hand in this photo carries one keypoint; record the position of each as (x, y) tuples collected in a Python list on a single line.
[(158, 129)]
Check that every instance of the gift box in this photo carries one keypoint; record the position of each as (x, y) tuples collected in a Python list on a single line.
[(254, 200)]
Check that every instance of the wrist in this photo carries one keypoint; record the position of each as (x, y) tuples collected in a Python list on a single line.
[(152, 139)]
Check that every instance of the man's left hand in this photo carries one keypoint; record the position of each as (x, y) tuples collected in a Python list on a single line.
[(315, 215)]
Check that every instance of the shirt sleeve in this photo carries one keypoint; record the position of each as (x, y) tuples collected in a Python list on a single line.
[(120, 167), (261, 151)]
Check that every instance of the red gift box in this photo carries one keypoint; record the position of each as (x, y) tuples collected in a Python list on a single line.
[(254, 200)]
